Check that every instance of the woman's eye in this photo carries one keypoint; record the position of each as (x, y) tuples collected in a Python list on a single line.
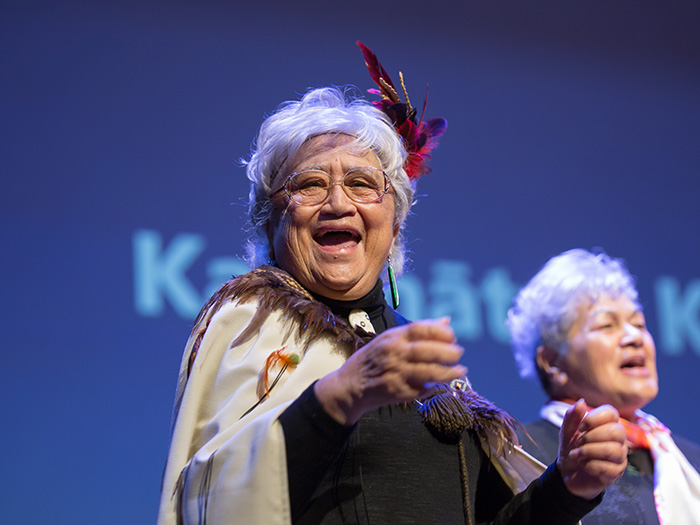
[(360, 183), (306, 183), (603, 326), (312, 183)]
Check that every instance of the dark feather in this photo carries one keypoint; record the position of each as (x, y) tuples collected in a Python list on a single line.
[(419, 138), (276, 290), (376, 70)]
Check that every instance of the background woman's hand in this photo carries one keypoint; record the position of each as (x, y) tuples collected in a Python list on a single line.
[(394, 367), (592, 450)]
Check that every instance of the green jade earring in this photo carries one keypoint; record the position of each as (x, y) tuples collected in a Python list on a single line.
[(392, 284)]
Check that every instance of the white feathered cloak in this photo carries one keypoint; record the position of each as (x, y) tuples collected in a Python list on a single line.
[(227, 467)]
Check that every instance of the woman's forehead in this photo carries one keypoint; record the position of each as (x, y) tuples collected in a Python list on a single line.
[(320, 146), (310, 155), (607, 303)]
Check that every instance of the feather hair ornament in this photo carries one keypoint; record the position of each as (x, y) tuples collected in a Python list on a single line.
[(419, 137)]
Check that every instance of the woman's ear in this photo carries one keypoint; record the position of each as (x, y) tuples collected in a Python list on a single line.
[(548, 360)]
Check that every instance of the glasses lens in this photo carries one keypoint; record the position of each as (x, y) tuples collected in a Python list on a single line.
[(364, 184), (308, 187), (311, 187)]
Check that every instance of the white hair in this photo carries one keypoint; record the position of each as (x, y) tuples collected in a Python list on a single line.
[(546, 308), (320, 111)]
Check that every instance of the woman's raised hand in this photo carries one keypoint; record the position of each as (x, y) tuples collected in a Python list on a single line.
[(592, 450), (395, 367)]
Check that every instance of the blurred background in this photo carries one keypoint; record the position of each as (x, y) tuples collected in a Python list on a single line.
[(123, 122)]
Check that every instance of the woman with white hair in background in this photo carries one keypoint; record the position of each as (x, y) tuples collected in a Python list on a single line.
[(303, 397), (579, 327)]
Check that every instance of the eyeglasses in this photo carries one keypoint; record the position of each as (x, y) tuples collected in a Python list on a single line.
[(362, 185)]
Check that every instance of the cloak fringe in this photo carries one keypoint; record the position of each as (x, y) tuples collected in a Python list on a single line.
[(447, 411), (276, 290)]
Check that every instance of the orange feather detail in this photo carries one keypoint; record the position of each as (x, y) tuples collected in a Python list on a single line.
[(277, 357)]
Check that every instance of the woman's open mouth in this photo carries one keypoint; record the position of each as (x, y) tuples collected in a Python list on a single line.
[(635, 366), (337, 239)]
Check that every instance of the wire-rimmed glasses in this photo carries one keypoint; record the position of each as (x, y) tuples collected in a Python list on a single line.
[(312, 186)]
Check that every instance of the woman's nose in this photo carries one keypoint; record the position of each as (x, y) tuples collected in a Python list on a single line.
[(632, 335), (337, 197)]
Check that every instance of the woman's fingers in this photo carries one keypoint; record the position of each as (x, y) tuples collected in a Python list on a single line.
[(432, 352), (422, 375), (431, 330), (569, 431), (598, 417), (607, 451), (608, 432), (414, 367), (415, 360), (592, 453), (394, 367)]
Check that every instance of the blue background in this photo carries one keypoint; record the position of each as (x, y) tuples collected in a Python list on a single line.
[(570, 125)]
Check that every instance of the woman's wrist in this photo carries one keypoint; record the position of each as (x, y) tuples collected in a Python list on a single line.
[(336, 399)]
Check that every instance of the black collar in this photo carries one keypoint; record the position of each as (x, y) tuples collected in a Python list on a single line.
[(381, 316)]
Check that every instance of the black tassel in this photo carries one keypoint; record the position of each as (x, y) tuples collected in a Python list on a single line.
[(454, 408), (446, 412)]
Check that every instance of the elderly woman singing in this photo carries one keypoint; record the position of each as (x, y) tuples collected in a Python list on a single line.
[(579, 326), (304, 398)]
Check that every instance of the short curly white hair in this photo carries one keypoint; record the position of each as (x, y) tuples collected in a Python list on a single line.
[(321, 111), (546, 308)]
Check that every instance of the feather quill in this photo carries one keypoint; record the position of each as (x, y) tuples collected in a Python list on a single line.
[(419, 138)]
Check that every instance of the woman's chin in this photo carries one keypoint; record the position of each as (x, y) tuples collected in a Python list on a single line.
[(337, 253), (345, 288), (341, 271), (635, 401)]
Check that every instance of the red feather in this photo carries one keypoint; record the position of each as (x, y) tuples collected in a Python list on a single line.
[(418, 138), (376, 71)]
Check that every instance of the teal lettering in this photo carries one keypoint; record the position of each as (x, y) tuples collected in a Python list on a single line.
[(411, 297), (160, 273), (452, 294), (678, 314), (497, 291)]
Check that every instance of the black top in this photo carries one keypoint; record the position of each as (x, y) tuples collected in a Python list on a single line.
[(389, 468), (380, 314), (631, 500)]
